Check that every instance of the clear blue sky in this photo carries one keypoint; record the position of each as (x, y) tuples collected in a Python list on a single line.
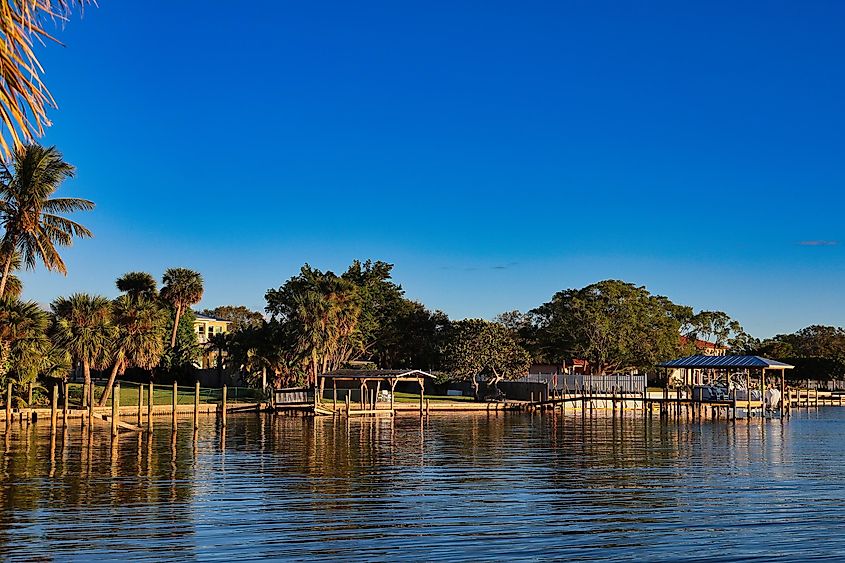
[(496, 152)]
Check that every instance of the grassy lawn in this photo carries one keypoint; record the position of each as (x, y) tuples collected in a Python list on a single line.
[(163, 394)]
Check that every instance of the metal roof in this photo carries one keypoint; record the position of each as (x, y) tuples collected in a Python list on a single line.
[(729, 362), (376, 373)]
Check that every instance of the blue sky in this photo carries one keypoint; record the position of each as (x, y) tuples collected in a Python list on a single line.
[(496, 152)]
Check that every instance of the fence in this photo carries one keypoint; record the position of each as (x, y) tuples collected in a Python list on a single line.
[(625, 383)]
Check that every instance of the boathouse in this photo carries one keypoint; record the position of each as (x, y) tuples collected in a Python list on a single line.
[(736, 378)]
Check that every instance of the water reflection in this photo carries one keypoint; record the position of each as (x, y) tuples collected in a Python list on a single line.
[(476, 486)]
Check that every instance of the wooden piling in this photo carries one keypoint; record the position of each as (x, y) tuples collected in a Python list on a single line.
[(347, 402), (115, 410), (223, 411), (140, 403), (54, 407), (150, 402), (91, 404), (197, 406), (9, 404), (175, 402), (64, 403)]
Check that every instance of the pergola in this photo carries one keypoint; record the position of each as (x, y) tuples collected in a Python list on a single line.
[(364, 378), (698, 369)]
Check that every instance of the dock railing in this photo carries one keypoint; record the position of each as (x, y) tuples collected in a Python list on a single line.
[(571, 383)]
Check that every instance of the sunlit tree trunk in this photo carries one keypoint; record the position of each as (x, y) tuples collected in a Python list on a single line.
[(6, 268), (175, 326), (110, 383)]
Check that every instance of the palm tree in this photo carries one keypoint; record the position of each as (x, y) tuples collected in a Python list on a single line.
[(137, 285), (83, 326), (219, 343), (20, 321), (139, 342), (24, 99), (182, 288), (28, 213)]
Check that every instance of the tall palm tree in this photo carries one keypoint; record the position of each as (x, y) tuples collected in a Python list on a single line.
[(137, 285), (139, 342), (28, 213), (83, 326), (24, 99), (182, 288)]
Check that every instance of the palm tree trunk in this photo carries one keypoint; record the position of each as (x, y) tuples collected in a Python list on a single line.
[(175, 326), (112, 377), (6, 268)]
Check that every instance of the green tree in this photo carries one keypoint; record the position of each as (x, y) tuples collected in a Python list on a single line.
[(481, 348), (178, 360), (322, 311), (139, 336), (219, 343), (29, 213), (137, 285), (82, 325), (613, 324), (22, 325), (182, 288)]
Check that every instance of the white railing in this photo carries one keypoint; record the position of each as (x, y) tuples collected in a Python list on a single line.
[(619, 383)]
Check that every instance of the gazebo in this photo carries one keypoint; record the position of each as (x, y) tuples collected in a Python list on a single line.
[(702, 370)]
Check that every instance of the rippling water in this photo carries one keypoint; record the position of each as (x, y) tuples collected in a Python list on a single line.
[(456, 487)]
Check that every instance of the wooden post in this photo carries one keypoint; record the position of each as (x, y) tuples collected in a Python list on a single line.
[(175, 400), (422, 394), (392, 392), (115, 409), (150, 402), (782, 390), (347, 402), (64, 403), (223, 412), (54, 407), (748, 394), (29, 395), (197, 406), (334, 394), (140, 403), (9, 404), (91, 403)]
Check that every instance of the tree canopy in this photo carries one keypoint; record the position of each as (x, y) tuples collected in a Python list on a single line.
[(613, 324), (478, 348)]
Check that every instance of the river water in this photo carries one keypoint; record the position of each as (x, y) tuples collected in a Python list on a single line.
[(455, 487)]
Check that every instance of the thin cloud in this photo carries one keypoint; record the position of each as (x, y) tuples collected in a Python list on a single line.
[(819, 242), (477, 268)]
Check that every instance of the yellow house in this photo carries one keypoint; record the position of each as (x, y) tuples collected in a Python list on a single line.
[(206, 326)]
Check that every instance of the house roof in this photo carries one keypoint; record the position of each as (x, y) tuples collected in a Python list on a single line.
[(201, 317), (728, 362), (376, 373)]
